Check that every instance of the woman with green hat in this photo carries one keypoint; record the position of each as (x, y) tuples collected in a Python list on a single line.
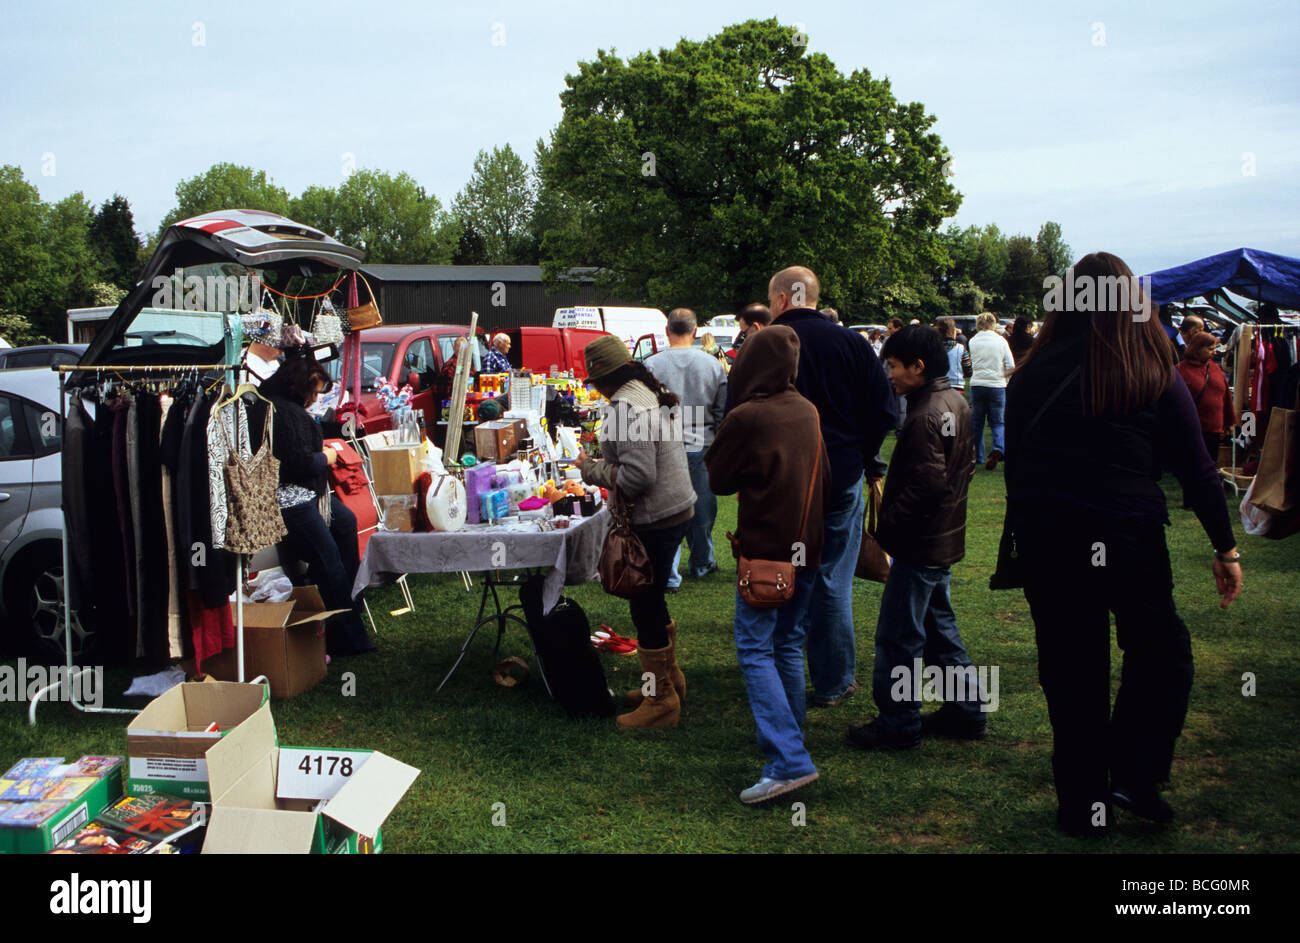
[(641, 440)]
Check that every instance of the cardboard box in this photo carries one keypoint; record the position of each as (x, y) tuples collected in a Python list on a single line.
[(260, 810), (498, 440), (75, 815), (166, 743), (284, 641), (395, 470)]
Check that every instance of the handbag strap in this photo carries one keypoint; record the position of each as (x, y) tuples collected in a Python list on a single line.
[(1204, 386), (812, 483), (373, 298)]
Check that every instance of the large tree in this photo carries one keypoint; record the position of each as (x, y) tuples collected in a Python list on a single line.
[(698, 171), (1052, 249), (114, 242), (46, 263), (497, 205), (391, 218), (226, 186)]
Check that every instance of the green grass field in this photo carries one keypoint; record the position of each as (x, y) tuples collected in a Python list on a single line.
[(587, 786)]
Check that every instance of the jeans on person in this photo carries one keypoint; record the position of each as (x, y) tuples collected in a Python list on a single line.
[(699, 535), (917, 627), (769, 647), (650, 610), (330, 553), (990, 402), (832, 650), (1071, 599)]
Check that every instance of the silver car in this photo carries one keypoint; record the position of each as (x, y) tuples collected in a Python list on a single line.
[(31, 515)]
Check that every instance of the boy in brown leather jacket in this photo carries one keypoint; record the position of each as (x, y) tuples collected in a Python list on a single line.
[(919, 652)]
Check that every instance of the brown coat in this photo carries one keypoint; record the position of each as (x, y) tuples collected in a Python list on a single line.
[(765, 448)]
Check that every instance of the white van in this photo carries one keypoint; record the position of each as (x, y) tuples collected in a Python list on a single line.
[(627, 324)]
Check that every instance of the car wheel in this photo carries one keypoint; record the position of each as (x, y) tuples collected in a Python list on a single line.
[(34, 600)]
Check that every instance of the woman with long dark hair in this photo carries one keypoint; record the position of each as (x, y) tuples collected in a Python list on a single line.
[(644, 457), (1093, 415)]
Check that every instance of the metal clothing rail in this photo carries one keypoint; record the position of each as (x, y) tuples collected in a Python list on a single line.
[(63, 370)]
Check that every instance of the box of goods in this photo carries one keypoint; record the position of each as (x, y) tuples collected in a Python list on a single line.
[(497, 441), (284, 641), (44, 801), (168, 741), (296, 800)]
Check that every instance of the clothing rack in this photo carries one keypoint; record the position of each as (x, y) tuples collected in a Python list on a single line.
[(63, 370)]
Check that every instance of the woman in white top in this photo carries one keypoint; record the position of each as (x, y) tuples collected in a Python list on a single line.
[(991, 363)]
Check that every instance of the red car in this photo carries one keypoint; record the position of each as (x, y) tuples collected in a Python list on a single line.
[(402, 354)]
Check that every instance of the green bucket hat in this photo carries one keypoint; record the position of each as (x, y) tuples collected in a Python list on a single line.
[(604, 355)]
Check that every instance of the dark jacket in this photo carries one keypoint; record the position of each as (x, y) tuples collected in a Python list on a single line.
[(840, 373), (764, 451), (296, 441), (1107, 464), (923, 514)]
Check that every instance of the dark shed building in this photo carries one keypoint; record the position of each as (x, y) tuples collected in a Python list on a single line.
[(504, 296)]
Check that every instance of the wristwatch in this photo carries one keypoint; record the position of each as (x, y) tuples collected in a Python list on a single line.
[(1236, 558)]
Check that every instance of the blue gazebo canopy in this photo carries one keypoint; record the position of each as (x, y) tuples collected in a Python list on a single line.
[(1251, 273)]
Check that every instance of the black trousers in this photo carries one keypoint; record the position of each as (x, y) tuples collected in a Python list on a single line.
[(330, 553), (1079, 568), (650, 610)]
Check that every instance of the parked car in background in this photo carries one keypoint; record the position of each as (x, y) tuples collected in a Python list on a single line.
[(40, 355), (31, 518), (402, 354), (551, 350)]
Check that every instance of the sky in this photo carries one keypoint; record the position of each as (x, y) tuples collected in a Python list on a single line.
[(1160, 131)]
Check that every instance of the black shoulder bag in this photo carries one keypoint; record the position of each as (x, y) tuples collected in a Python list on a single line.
[(1008, 573)]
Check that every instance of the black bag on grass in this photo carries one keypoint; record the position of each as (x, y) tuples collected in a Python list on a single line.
[(562, 640)]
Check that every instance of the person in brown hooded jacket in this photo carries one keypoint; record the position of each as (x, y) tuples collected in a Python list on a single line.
[(769, 452)]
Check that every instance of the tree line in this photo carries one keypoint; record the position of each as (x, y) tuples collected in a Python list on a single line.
[(684, 176)]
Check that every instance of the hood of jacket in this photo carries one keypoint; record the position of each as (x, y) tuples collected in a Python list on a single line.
[(766, 365)]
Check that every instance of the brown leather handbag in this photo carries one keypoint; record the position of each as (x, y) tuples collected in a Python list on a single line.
[(624, 567), (769, 584), (363, 316), (873, 562)]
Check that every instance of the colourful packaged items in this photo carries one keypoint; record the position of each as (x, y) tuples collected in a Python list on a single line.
[(34, 767)]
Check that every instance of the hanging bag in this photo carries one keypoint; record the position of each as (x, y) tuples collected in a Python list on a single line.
[(254, 518), (360, 317), (1275, 486), (873, 562), (769, 584), (624, 567), (1009, 572)]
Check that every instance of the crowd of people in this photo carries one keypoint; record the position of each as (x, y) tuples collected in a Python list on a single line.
[(1084, 414)]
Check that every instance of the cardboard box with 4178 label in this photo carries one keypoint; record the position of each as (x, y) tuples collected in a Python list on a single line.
[(299, 800), (168, 741)]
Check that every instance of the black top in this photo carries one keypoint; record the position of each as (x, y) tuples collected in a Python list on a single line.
[(296, 441), (840, 373), (1108, 464)]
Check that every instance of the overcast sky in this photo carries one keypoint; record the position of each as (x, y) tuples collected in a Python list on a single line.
[(1160, 131)]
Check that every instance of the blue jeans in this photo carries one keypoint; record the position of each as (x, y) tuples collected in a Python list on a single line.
[(832, 651), (987, 401), (917, 626), (330, 552), (769, 647), (699, 537)]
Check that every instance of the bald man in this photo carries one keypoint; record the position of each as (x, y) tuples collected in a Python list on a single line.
[(841, 375)]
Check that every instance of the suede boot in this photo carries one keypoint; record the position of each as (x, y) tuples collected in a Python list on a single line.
[(635, 697), (663, 709)]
